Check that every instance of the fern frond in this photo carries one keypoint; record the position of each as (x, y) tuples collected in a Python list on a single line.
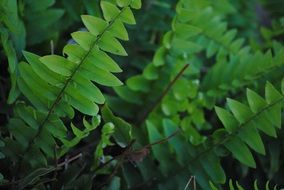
[(240, 135), (242, 127), (17, 23), (262, 114), (176, 49), (46, 11), (214, 36), (241, 71), (12, 32), (237, 65), (56, 85), (185, 40), (107, 131)]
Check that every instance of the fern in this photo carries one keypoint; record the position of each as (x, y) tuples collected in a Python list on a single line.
[(11, 27), (176, 47), (68, 125), (214, 36), (18, 23), (172, 104), (242, 71), (241, 62), (107, 131), (241, 132), (55, 85)]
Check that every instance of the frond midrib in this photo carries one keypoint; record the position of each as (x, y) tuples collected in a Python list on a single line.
[(61, 92), (233, 134)]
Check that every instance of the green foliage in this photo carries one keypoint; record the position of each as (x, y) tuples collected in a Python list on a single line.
[(200, 97)]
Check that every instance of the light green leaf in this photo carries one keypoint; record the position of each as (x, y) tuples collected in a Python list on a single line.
[(250, 135), (37, 84), (78, 133), (122, 3), (211, 49), (151, 72), (240, 111), (213, 187), (231, 185), (128, 95), (136, 4), (138, 83), (110, 44), (96, 120), (159, 57), (84, 39), (118, 30), (42, 71), (186, 31), (263, 123), (108, 129), (96, 57), (110, 11), (103, 61), (256, 102), (56, 127), (274, 115), (185, 47), (58, 64), (93, 73), (240, 151), (239, 186), (94, 24), (80, 102), (271, 94), (227, 119), (122, 129), (88, 89), (229, 36), (255, 185), (237, 44), (127, 16), (29, 94)]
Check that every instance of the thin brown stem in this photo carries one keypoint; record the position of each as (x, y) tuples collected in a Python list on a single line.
[(127, 153), (164, 93), (121, 158), (162, 140)]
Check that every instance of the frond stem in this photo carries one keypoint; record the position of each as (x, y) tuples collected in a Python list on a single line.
[(60, 94), (164, 93), (221, 142)]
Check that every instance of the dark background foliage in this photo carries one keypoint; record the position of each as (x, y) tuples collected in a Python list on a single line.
[(44, 27)]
